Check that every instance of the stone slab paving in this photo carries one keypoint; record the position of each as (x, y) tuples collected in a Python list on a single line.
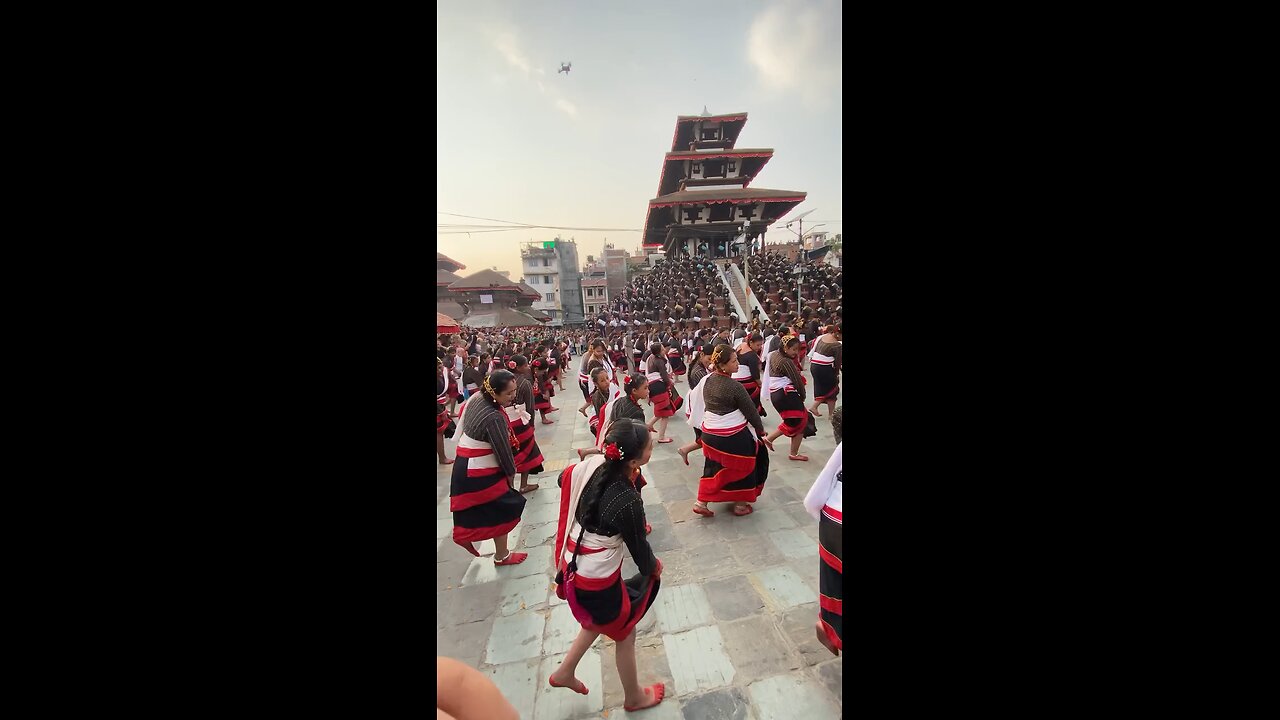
[(731, 632), (790, 696)]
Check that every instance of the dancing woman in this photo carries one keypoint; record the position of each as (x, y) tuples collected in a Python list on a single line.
[(698, 369), (748, 372), (529, 456), (662, 394), (737, 461), (635, 387), (824, 363), (595, 358), (484, 504), (786, 390), (600, 512), (445, 426), (825, 502), (472, 376), (541, 390), (599, 397), (675, 358)]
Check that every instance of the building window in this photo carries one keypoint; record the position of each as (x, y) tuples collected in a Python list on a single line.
[(551, 297), (545, 262)]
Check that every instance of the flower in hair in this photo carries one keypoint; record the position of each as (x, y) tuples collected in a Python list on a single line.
[(537, 363), (613, 452), (511, 364)]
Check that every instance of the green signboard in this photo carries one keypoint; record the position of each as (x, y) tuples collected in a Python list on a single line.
[(549, 245)]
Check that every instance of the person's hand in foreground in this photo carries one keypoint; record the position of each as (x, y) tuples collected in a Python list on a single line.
[(464, 693)]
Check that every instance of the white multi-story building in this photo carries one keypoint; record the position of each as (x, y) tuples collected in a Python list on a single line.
[(551, 268), (595, 296)]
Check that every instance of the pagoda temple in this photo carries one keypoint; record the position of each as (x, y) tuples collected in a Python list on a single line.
[(446, 275), (705, 207), (488, 299)]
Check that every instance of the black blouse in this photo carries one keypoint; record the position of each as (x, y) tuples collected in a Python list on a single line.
[(621, 512)]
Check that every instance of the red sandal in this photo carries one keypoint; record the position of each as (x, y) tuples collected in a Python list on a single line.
[(513, 558), (657, 691), (746, 508), (705, 512)]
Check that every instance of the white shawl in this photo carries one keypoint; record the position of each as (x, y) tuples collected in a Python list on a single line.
[(825, 485), (597, 565), (606, 413), (695, 404)]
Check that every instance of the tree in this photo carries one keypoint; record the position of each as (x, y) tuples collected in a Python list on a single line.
[(834, 242)]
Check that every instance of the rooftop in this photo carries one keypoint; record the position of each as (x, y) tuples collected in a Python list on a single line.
[(595, 282), (442, 259), (485, 280), (729, 195)]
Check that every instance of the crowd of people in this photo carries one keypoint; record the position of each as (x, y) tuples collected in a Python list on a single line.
[(630, 365), (680, 292)]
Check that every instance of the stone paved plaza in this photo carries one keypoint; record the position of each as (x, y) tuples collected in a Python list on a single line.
[(732, 630)]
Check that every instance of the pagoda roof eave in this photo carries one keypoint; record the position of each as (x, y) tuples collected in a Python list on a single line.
[(736, 196)]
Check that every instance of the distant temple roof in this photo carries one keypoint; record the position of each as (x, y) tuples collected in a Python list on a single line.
[(442, 259), (444, 277), (526, 290), (485, 280), (499, 318)]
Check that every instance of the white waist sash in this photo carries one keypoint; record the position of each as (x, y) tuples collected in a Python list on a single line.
[(820, 358), (712, 422), (780, 382)]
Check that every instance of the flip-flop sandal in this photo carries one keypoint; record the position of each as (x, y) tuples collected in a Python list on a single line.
[(513, 558), (656, 691), (705, 512), (738, 511), (555, 684), (528, 488), (800, 458), (664, 441)]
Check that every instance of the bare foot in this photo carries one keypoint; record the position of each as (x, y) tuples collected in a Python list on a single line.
[(684, 455), (579, 454), (564, 680), (652, 696)]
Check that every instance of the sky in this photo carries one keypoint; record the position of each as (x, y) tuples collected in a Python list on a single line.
[(517, 141)]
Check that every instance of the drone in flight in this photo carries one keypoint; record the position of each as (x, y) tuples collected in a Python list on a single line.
[(564, 68)]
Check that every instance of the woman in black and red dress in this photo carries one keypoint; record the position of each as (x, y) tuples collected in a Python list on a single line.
[(662, 393), (786, 390), (542, 391), (675, 359), (824, 363), (484, 505), (601, 519), (529, 456), (595, 358), (444, 424)]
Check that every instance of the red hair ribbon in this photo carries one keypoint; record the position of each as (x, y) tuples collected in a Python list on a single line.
[(612, 452)]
